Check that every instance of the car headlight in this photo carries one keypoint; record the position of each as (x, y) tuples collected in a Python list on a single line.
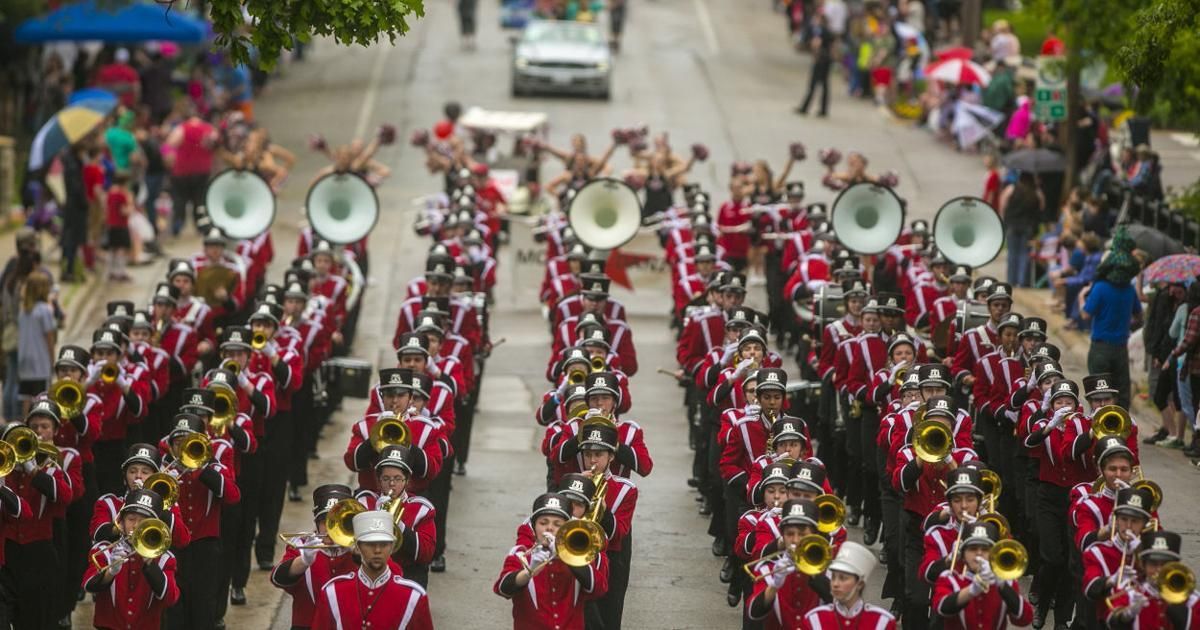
[(602, 66), (522, 63)]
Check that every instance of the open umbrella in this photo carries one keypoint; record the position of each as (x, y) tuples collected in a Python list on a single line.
[(954, 52), (1036, 161), (112, 22), (1177, 268), (958, 72), (973, 123), (91, 94), (67, 127), (1152, 241)]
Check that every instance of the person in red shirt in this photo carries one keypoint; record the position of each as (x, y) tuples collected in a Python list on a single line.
[(373, 596), (118, 205), (121, 79), (545, 591), (848, 575), (991, 181), (302, 573), (95, 184), (735, 226), (976, 597), (782, 594), (191, 147), (132, 591)]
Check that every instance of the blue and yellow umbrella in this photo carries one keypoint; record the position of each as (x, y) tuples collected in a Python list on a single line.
[(70, 125)]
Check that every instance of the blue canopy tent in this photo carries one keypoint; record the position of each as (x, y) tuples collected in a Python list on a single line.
[(134, 22)]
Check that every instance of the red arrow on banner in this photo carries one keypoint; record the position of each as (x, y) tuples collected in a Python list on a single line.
[(618, 265)]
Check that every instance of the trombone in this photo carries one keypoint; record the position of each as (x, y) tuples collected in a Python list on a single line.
[(258, 341), (576, 376), (831, 513), (51, 456), (24, 443), (1175, 582), (150, 539), (580, 540), (811, 556), (599, 364), (1009, 560), (931, 441), (1111, 421), (389, 431), (339, 527), (69, 396), (231, 366), (527, 554), (194, 452), (165, 486), (225, 409)]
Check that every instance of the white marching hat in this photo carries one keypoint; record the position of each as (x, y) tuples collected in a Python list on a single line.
[(373, 526), (852, 558)]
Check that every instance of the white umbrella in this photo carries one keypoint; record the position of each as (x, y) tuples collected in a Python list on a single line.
[(959, 72), (973, 123)]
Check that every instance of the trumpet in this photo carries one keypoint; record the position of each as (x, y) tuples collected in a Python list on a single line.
[(599, 364), (576, 376), (389, 431), (231, 366), (931, 441), (339, 527), (150, 539), (1111, 421), (811, 556), (109, 372), (165, 486), (1175, 582), (194, 452), (258, 341), (69, 396), (580, 540)]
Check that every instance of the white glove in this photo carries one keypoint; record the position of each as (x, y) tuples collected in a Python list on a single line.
[(1059, 418), (138, 483), (593, 413), (93, 373), (271, 350), (1030, 384), (948, 459), (777, 511), (123, 381), (730, 349), (549, 538), (475, 253), (243, 380), (115, 563), (753, 410), (29, 467), (741, 369), (896, 368), (969, 519), (976, 588), (539, 556), (1131, 542), (433, 369), (1137, 601), (308, 556), (779, 572), (985, 572), (1045, 405), (561, 392), (1120, 484)]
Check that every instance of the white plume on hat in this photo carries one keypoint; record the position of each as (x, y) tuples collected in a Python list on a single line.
[(854, 559)]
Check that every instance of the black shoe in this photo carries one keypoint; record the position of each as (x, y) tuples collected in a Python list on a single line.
[(897, 608), (294, 494), (438, 565), (883, 556), (699, 498), (718, 548), (693, 482), (265, 565), (726, 571), (460, 469), (237, 596), (1161, 434), (801, 111), (1039, 619), (871, 531), (705, 508), (852, 516), (733, 599)]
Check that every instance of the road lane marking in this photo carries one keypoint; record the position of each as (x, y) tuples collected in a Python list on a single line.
[(368, 104), (710, 34)]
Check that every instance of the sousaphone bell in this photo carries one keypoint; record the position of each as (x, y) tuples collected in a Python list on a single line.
[(342, 208), (605, 214), (241, 203), (968, 231), (867, 218)]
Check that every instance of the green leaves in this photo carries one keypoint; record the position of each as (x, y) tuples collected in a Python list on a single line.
[(1159, 57), (273, 23)]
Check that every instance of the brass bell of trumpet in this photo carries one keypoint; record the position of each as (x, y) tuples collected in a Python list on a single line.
[(931, 441), (109, 372), (389, 432), (599, 364), (8, 458), (258, 341), (24, 442), (150, 539), (831, 513), (163, 485), (1009, 559), (194, 452), (1175, 582), (813, 555), (580, 540), (231, 366), (576, 377), (69, 396), (1111, 421)]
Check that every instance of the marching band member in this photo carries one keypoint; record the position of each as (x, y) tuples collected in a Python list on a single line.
[(982, 339), (769, 496), (545, 591), (599, 445), (808, 482), (131, 591), (783, 594), (987, 372), (190, 310), (848, 575), (416, 531), (964, 498), (788, 440), (374, 595), (302, 573), (1142, 604), (976, 597), (395, 388), (831, 428), (1108, 565), (143, 461), (1091, 516), (631, 454), (125, 398), (942, 312), (229, 300)]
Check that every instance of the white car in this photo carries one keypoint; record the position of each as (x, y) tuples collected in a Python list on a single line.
[(565, 57)]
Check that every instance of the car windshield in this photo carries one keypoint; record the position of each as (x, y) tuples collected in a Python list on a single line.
[(539, 32)]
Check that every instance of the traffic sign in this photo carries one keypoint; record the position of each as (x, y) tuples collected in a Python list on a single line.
[(1050, 93)]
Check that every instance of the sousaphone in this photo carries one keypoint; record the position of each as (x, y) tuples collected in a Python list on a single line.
[(241, 203), (342, 208), (968, 231), (605, 214), (867, 218)]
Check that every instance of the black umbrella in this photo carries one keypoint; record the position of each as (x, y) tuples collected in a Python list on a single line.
[(1153, 242), (1036, 161)]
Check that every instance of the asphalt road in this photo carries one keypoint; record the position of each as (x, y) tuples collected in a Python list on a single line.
[(707, 71)]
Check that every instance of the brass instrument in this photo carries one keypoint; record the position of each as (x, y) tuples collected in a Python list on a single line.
[(1004, 530), (1151, 488), (901, 376), (194, 452), (580, 540), (69, 396), (50, 455), (150, 539), (258, 341), (1098, 485), (1009, 560), (214, 277), (389, 431), (156, 335), (526, 555), (576, 376), (856, 408), (24, 442), (8, 458), (231, 366), (931, 441), (163, 485), (599, 364), (1175, 582), (225, 409), (811, 556), (831, 513), (737, 360), (600, 420), (991, 488), (1111, 421), (109, 372), (339, 527)]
